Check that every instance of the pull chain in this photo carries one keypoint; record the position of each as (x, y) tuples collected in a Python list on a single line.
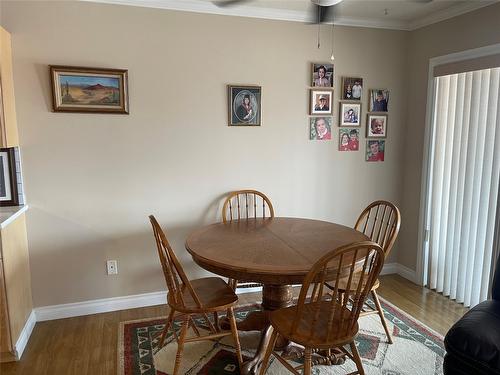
[(319, 26)]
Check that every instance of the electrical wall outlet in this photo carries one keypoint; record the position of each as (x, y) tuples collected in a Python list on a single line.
[(112, 266)]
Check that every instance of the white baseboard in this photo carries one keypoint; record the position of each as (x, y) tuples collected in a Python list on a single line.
[(407, 273), (99, 306), (156, 298), (25, 335), (389, 268)]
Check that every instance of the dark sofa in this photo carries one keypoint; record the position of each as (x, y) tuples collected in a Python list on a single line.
[(473, 343)]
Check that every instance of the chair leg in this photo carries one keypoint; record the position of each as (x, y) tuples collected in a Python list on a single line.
[(216, 321), (180, 343), (357, 358), (233, 283), (269, 351), (381, 315), (170, 319), (234, 330), (307, 361)]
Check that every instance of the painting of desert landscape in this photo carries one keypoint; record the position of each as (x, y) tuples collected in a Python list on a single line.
[(79, 89), (85, 90)]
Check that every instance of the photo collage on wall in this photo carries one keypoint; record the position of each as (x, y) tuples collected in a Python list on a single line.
[(321, 102), (320, 121), (376, 118), (376, 124), (350, 113)]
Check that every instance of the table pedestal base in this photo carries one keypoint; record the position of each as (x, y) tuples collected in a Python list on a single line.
[(273, 297)]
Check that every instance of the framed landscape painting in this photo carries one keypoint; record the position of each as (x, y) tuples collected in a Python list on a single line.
[(97, 90)]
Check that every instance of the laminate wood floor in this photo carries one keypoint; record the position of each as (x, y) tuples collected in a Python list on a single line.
[(87, 345)]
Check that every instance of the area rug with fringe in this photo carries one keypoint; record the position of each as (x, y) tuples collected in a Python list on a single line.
[(417, 350)]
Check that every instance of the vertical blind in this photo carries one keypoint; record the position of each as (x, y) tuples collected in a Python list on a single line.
[(464, 183)]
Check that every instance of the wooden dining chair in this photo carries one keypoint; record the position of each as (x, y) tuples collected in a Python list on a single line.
[(380, 221), (323, 322), (245, 205), (193, 298)]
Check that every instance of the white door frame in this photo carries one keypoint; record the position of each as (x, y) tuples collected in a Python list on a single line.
[(428, 152)]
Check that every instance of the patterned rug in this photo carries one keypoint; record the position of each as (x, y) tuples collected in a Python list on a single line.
[(416, 349)]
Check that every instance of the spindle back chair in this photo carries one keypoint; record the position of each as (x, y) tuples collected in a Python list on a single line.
[(380, 221), (322, 321), (246, 204), (188, 298)]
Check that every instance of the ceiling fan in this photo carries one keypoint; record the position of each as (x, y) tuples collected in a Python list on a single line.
[(321, 10)]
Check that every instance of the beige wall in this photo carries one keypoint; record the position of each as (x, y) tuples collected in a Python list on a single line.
[(92, 179), (472, 30)]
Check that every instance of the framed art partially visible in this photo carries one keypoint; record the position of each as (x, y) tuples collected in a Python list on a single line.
[(376, 126), (97, 90), (244, 105), (8, 178), (375, 150), (379, 100), (320, 128), (320, 102), (348, 139), (322, 75), (352, 88), (350, 114)]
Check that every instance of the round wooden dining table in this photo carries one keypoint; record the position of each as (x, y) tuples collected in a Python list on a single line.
[(276, 252)]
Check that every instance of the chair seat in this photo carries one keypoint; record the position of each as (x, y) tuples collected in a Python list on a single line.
[(354, 283), (315, 322), (214, 294)]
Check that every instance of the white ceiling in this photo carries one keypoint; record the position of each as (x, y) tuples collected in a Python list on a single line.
[(391, 14)]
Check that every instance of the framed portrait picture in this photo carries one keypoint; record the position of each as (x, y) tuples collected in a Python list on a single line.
[(375, 150), (8, 178), (320, 128), (244, 105), (352, 88), (350, 114), (322, 75), (376, 126), (348, 139), (321, 102), (97, 90), (379, 100)]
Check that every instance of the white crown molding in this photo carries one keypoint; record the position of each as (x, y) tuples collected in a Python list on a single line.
[(457, 10), (25, 335), (198, 6)]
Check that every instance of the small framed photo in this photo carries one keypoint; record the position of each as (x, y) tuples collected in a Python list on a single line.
[(97, 90), (348, 139), (321, 102), (352, 88), (376, 126), (322, 75), (350, 114), (8, 178), (320, 128), (244, 105), (375, 150), (379, 100)]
